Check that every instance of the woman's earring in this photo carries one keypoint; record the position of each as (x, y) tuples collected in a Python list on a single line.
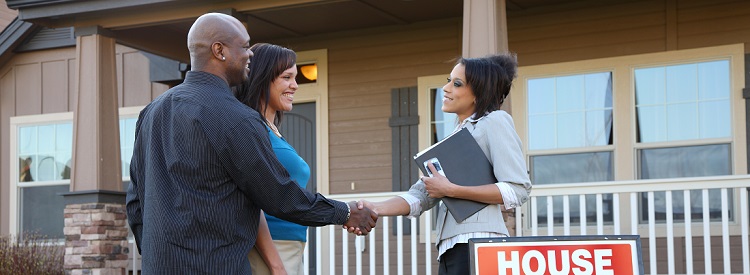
[(223, 58)]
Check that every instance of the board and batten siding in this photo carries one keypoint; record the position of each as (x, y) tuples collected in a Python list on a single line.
[(42, 82), (364, 66)]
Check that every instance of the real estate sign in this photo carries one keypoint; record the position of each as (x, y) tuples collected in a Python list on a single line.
[(580, 255)]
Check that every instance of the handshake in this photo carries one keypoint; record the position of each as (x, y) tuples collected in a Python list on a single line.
[(362, 218)]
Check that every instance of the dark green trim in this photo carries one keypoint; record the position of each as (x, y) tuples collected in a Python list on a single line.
[(94, 196), (12, 36), (48, 9), (49, 39), (15, 4), (404, 121), (91, 30), (164, 70)]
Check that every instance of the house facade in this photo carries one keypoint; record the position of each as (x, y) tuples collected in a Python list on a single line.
[(644, 98)]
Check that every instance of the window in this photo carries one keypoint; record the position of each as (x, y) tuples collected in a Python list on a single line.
[(442, 123), (43, 146), (570, 137), (689, 103), (44, 155), (664, 115), (434, 124)]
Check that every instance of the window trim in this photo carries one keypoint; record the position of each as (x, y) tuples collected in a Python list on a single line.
[(15, 124), (425, 84), (625, 147), (20, 121), (318, 93), (128, 112), (623, 71)]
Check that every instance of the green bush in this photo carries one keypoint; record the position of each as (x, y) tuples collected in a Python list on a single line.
[(32, 254)]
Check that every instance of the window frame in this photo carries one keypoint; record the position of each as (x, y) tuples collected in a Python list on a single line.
[(425, 85), (29, 120), (15, 186), (625, 148)]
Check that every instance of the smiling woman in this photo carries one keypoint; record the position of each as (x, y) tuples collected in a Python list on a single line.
[(270, 89)]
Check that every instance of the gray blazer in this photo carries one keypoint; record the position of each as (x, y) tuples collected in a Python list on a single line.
[(496, 135)]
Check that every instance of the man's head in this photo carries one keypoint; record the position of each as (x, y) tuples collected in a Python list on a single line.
[(219, 44)]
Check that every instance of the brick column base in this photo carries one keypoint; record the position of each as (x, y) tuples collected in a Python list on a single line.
[(96, 239)]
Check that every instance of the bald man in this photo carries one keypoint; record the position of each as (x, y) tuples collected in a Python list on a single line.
[(203, 167)]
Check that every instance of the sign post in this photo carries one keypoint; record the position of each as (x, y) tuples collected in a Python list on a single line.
[(580, 255)]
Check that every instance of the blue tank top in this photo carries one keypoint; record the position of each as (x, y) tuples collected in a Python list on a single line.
[(300, 172)]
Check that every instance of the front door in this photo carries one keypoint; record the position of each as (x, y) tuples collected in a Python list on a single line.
[(298, 128)]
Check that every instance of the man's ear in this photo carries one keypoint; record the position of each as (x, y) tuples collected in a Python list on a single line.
[(217, 49)]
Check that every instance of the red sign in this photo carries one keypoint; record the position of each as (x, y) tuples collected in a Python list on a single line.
[(597, 257)]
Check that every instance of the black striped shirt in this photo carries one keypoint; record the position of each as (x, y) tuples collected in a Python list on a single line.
[(202, 169)]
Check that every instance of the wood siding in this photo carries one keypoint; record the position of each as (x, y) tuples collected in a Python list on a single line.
[(42, 82), (364, 67), (597, 29), (6, 15)]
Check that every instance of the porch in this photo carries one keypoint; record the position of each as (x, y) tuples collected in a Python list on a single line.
[(687, 226)]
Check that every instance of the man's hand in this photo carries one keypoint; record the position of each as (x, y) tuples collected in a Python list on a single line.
[(361, 220), (361, 204)]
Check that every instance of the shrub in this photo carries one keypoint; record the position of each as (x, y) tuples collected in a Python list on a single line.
[(32, 254)]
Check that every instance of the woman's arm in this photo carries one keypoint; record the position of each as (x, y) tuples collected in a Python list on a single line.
[(395, 206), (439, 186), (267, 249), (413, 203), (497, 137)]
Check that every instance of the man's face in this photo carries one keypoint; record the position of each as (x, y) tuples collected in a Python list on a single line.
[(238, 54)]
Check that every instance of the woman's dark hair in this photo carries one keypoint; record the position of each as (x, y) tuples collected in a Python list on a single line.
[(490, 79), (268, 62)]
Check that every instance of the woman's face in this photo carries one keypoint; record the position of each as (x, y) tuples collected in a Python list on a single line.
[(458, 97), (282, 91)]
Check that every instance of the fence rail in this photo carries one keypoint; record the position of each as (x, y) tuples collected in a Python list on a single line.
[(679, 236)]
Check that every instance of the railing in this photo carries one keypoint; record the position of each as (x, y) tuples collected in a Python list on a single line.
[(675, 245), (631, 215)]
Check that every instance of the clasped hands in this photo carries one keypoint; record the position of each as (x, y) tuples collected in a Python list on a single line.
[(361, 219), (437, 186)]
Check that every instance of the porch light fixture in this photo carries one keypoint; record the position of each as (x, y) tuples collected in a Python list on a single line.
[(309, 71)]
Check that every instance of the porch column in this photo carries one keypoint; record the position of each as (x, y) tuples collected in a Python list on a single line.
[(95, 222), (485, 31), (485, 28)]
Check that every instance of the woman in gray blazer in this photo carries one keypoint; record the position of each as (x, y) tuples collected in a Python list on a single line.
[(476, 89)]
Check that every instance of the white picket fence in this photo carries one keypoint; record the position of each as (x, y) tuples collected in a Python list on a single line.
[(374, 254)]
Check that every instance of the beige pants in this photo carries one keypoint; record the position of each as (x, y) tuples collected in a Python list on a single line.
[(291, 253)]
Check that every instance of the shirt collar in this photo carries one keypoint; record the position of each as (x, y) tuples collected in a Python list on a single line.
[(471, 119), (200, 77)]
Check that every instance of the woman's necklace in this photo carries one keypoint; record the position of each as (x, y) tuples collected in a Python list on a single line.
[(273, 128)]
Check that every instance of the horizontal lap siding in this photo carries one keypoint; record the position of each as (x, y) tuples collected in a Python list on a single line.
[(576, 31), (708, 23), (363, 68), (569, 32)]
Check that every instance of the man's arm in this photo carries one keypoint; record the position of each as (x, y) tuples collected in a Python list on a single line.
[(133, 204), (249, 159)]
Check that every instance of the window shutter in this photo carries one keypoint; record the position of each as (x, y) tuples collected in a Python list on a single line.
[(403, 124)]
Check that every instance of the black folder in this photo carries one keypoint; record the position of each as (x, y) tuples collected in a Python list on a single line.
[(463, 163)]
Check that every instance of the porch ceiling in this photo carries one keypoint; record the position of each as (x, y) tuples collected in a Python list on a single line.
[(161, 26)]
